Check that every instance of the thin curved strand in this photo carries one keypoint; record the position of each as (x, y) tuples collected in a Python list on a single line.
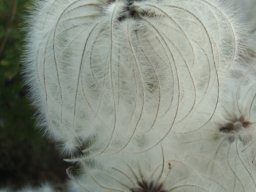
[(184, 33)]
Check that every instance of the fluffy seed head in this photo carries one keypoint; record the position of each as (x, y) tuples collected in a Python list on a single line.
[(114, 80)]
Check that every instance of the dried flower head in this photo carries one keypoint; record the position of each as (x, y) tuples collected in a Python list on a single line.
[(116, 79)]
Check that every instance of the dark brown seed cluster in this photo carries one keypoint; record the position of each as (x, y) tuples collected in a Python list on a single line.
[(144, 186), (231, 127)]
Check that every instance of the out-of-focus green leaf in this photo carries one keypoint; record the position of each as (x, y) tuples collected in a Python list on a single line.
[(16, 114)]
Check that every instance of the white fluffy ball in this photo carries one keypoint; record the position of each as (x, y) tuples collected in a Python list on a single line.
[(125, 85)]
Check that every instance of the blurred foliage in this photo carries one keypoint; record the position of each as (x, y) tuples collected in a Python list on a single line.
[(19, 140), (15, 115)]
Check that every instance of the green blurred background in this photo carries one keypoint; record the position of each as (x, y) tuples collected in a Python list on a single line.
[(25, 156)]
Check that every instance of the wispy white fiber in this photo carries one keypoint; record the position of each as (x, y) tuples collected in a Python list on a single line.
[(225, 149), (146, 95), (43, 188), (96, 70)]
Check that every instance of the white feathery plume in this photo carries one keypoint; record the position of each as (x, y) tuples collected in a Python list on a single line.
[(118, 71), (43, 188), (225, 149), (131, 87), (154, 170)]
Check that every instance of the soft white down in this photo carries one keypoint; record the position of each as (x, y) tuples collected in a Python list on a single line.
[(147, 95)]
